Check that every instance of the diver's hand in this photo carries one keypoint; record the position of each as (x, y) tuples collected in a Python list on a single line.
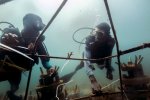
[(31, 46), (53, 71)]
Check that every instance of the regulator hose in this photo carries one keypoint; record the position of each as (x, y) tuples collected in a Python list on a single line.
[(73, 36), (11, 25)]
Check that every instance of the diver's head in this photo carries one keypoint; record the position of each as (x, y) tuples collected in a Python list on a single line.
[(104, 27), (33, 22), (102, 31)]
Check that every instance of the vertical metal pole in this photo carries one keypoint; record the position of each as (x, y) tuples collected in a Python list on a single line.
[(117, 44), (50, 22), (36, 41), (28, 82)]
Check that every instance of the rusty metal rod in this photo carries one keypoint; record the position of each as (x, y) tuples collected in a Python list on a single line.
[(145, 45), (140, 92)]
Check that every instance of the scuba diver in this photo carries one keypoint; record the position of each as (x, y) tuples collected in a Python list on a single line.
[(10, 38), (32, 26), (23, 42), (12, 63), (99, 45)]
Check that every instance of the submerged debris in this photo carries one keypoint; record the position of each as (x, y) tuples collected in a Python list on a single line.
[(50, 85), (135, 80), (73, 92)]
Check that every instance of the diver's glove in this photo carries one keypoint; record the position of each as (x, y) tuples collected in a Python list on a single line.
[(90, 40), (53, 72)]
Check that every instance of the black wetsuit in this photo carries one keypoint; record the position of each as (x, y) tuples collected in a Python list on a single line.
[(99, 49), (30, 37)]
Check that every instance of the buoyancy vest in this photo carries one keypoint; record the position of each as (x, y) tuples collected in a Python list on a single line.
[(99, 49)]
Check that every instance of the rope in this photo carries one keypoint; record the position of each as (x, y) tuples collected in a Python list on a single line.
[(110, 84), (108, 57), (73, 36), (11, 25)]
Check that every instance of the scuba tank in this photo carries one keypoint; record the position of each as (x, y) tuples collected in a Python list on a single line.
[(11, 37)]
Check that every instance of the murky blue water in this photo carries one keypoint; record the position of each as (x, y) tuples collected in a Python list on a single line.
[(131, 20)]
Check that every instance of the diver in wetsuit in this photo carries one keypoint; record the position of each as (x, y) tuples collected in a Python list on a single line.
[(32, 26), (98, 46), (12, 38)]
